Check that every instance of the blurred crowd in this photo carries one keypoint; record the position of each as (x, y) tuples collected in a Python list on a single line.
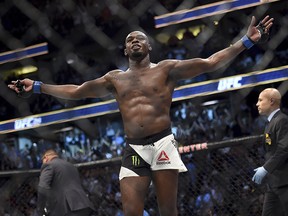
[(191, 123), (218, 182)]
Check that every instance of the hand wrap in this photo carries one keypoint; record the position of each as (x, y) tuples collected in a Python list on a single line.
[(37, 87), (264, 34), (21, 88), (247, 42)]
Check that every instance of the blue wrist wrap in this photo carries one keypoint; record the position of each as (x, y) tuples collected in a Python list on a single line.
[(247, 42), (37, 87)]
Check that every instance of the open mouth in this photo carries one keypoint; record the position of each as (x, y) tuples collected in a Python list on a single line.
[(136, 46)]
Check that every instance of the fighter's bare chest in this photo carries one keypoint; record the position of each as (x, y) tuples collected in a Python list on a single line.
[(139, 84)]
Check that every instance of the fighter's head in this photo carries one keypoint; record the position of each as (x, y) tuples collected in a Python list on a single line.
[(137, 45)]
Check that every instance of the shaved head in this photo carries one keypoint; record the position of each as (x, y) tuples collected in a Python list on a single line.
[(268, 101), (137, 46), (273, 94), (138, 33)]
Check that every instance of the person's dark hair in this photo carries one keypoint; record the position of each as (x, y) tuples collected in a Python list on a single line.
[(50, 152)]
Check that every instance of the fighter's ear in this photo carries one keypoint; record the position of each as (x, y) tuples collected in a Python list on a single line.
[(149, 47), (125, 52)]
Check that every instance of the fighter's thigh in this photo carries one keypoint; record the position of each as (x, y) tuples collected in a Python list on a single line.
[(133, 193), (166, 186)]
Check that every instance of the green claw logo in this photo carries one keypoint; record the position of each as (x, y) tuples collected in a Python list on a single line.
[(135, 160)]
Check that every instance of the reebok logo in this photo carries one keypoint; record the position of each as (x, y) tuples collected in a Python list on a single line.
[(163, 158)]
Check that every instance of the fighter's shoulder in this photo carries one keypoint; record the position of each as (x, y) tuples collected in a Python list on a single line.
[(113, 73), (116, 71), (168, 63)]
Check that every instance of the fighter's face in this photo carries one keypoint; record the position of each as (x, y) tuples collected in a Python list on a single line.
[(137, 45)]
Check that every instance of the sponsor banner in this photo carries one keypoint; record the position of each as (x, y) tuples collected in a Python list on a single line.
[(59, 116), (205, 11), (232, 83), (221, 144), (28, 52), (181, 93)]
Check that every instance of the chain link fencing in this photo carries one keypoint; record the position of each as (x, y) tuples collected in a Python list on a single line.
[(85, 41), (218, 182)]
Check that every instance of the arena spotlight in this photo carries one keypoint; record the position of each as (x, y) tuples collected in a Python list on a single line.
[(20, 71)]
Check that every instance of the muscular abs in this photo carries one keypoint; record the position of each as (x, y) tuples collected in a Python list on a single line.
[(144, 98)]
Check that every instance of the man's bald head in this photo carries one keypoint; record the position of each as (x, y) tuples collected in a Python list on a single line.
[(273, 94), (268, 101)]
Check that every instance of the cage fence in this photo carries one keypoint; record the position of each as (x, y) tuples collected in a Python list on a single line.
[(86, 40), (218, 182)]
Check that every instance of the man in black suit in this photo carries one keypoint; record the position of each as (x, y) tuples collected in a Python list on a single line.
[(60, 192), (275, 169)]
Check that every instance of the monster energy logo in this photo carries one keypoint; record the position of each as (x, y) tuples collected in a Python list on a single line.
[(135, 160)]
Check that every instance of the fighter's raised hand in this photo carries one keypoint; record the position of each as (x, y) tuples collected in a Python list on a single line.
[(259, 33), (23, 88)]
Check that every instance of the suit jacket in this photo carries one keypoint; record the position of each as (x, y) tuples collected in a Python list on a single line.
[(60, 189), (276, 146)]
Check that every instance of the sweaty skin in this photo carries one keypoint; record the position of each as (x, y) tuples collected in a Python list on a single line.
[(144, 96)]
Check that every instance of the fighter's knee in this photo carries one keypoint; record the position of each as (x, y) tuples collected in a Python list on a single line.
[(168, 211), (132, 210)]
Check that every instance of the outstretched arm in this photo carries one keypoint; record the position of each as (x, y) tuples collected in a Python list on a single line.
[(90, 89), (193, 67)]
